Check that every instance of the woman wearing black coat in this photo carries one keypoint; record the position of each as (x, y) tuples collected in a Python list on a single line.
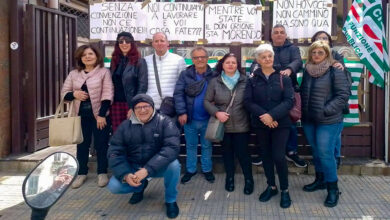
[(324, 92), (129, 75), (268, 98)]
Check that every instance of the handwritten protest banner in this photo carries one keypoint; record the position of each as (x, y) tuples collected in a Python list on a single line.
[(180, 21), (303, 18), (225, 23), (110, 18)]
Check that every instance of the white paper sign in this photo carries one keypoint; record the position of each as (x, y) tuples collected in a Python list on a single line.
[(303, 18), (180, 21), (227, 23), (110, 18)]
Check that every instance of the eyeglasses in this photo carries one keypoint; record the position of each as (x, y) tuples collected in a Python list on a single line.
[(322, 38), (199, 58), (319, 53), (124, 41), (143, 107)]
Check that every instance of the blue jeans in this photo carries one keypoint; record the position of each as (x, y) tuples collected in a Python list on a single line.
[(337, 152), (171, 176), (292, 143), (322, 139), (191, 132)]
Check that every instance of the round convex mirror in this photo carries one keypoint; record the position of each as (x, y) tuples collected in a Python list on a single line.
[(46, 183)]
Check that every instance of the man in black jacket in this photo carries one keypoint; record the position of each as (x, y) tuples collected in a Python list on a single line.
[(147, 145), (288, 60)]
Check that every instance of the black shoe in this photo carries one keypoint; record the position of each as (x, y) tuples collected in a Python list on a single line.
[(248, 188), (257, 161), (187, 177), (229, 184), (209, 176), (138, 196), (172, 210), (338, 162), (296, 160), (318, 184), (285, 200), (267, 194), (333, 194)]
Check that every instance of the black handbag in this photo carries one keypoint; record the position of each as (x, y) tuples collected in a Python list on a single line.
[(167, 106), (194, 89)]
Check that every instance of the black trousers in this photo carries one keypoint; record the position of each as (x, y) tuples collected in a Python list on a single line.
[(101, 137), (272, 144), (236, 144)]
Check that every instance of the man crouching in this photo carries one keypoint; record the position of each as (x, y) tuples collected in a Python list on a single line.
[(147, 145)]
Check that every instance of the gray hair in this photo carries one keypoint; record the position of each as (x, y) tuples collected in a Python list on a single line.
[(278, 26), (199, 48), (165, 35), (263, 48)]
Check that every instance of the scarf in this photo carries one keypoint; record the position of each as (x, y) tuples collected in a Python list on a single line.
[(317, 70), (230, 81)]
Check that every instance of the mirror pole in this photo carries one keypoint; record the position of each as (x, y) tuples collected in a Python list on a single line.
[(38, 214)]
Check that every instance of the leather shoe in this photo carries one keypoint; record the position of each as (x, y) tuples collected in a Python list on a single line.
[(285, 200), (267, 194), (209, 176), (172, 210), (229, 184), (187, 177), (248, 188), (138, 196)]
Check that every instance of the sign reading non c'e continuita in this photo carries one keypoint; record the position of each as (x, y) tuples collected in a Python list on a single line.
[(180, 21), (303, 18)]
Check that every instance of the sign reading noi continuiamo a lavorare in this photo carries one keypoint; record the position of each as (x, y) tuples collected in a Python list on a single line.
[(180, 21)]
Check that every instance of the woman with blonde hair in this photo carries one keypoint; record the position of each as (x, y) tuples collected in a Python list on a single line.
[(324, 92)]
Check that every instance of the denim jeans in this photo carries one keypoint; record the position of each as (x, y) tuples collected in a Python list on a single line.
[(292, 143), (337, 152), (322, 139), (171, 176), (191, 132)]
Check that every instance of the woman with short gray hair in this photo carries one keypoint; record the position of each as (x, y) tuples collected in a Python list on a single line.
[(268, 98)]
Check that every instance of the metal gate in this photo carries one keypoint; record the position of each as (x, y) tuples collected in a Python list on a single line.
[(50, 41)]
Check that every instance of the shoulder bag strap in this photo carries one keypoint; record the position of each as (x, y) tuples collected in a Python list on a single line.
[(231, 100), (281, 82), (156, 75)]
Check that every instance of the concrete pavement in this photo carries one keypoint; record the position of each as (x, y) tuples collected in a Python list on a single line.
[(363, 197)]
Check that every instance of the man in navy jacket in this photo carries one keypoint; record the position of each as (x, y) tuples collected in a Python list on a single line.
[(147, 145), (189, 94)]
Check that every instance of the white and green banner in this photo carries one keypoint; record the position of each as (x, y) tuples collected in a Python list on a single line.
[(365, 32)]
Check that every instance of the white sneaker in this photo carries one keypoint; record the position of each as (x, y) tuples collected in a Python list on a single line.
[(102, 179), (79, 181)]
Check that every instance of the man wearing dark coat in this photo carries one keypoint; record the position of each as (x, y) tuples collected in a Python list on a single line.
[(145, 146)]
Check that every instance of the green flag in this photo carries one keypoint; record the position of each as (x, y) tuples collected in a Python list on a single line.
[(365, 32)]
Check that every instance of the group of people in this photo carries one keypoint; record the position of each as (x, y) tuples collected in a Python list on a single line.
[(133, 95)]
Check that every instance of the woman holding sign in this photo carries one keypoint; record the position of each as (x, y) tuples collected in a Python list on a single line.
[(225, 100), (324, 93), (129, 75)]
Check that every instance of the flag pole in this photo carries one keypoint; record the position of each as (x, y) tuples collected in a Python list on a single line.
[(387, 92)]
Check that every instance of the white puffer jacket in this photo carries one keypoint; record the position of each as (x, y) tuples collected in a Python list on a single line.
[(169, 67)]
